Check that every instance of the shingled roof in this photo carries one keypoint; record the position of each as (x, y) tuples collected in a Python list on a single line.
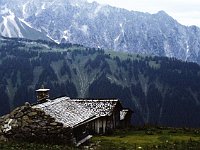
[(99, 107), (73, 112), (70, 113)]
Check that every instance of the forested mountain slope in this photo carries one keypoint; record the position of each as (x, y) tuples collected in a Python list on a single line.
[(160, 90)]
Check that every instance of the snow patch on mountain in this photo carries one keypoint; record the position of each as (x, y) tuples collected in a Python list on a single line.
[(66, 35), (10, 25), (84, 29), (43, 6), (24, 8)]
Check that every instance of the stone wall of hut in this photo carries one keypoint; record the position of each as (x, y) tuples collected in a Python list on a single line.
[(33, 125)]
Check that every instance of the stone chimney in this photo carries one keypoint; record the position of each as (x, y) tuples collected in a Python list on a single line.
[(42, 94)]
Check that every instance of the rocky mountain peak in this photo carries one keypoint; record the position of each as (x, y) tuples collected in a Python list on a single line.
[(95, 25)]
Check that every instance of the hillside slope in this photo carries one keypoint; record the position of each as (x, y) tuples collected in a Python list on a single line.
[(160, 90)]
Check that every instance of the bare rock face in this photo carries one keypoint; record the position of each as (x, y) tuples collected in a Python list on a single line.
[(30, 124)]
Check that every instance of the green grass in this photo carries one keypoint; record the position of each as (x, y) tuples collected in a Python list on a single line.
[(149, 139), (130, 139), (123, 56), (31, 146), (154, 65)]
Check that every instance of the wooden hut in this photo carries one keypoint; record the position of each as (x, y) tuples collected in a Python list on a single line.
[(79, 118), (107, 114)]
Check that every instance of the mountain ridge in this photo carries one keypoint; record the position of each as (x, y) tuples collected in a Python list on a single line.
[(107, 27)]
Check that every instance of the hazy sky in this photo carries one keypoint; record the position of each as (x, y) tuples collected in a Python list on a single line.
[(186, 12)]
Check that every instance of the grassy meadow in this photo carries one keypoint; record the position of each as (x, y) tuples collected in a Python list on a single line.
[(129, 139), (154, 138)]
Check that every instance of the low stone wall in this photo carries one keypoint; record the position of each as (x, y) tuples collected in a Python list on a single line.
[(30, 124)]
